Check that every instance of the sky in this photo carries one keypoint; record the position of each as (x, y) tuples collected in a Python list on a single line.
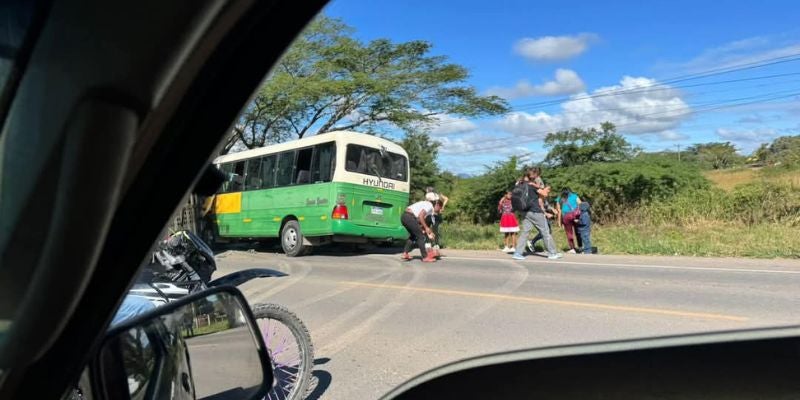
[(668, 73)]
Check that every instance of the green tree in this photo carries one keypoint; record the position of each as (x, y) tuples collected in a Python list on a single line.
[(761, 154), (422, 153), (580, 146), (785, 150), (715, 155), (330, 81), (478, 203)]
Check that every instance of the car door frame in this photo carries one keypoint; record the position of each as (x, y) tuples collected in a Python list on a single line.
[(180, 149)]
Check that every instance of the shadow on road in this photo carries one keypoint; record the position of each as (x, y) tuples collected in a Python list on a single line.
[(322, 380), (336, 250)]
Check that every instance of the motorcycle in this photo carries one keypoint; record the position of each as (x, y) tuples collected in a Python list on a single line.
[(183, 264)]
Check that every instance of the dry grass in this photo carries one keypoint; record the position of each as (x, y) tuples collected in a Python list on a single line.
[(729, 179)]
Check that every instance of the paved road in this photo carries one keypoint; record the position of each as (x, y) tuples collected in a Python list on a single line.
[(377, 321)]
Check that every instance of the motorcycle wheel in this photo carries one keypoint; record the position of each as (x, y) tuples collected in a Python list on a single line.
[(290, 350)]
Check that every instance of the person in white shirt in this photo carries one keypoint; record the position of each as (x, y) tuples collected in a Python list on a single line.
[(413, 219), (434, 220)]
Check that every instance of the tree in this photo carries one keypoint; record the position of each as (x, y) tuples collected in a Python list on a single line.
[(422, 153), (580, 146), (330, 81), (785, 150), (715, 155), (479, 203), (761, 154)]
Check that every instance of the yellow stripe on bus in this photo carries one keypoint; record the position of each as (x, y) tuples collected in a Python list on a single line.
[(277, 219), (246, 220), (324, 217), (228, 203)]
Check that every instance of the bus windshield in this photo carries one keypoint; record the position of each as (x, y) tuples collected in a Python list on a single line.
[(376, 162)]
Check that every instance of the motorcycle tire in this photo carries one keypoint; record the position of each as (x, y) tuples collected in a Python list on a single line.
[(290, 382)]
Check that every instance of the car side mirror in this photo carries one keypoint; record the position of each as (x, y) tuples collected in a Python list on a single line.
[(203, 346)]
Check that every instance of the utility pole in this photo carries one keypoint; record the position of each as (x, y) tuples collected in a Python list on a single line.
[(677, 146)]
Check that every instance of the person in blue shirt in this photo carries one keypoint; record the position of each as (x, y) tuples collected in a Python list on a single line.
[(132, 305), (568, 205), (584, 227)]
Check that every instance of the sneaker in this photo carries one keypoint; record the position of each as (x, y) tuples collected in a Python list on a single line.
[(571, 251), (505, 249), (555, 256), (518, 256), (429, 258), (406, 257)]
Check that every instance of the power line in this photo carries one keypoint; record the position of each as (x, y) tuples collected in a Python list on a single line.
[(533, 135), (681, 78)]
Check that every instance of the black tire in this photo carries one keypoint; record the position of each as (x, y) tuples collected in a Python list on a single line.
[(292, 240), (292, 322), (210, 235)]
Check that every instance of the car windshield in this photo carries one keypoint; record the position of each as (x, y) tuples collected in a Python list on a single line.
[(535, 174), (662, 140)]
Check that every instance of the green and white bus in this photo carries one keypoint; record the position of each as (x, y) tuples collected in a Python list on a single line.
[(334, 187)]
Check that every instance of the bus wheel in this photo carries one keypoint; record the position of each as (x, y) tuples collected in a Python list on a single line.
[(292, 240)]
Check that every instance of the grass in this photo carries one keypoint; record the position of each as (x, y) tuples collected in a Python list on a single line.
[(212, 328), (729, 179), (710, 239)]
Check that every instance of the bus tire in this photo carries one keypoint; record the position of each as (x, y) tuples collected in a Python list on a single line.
[(292, 240), (210, 236)]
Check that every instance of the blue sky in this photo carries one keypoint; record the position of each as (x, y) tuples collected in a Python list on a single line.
[(537, 52)]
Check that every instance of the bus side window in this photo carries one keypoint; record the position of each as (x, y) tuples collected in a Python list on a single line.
[(303, 166), (285, 170), (227, 170), (268, 171), (253, 177), (237, 179), (322, 163)]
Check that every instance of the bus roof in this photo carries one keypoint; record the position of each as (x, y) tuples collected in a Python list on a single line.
[(346, 136)]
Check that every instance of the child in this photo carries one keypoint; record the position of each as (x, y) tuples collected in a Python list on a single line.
[(508, 222), (584, 227)]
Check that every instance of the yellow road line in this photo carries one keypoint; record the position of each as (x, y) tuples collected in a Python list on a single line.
[(540, 300)]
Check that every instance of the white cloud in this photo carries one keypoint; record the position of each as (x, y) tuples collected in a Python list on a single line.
[(554, 48), (447, 124), (745, 51), (672, 135), (636, 106), (566, 81), (747, 135), (473, 144)]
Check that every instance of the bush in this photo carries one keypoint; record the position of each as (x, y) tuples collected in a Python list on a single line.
[(476, 198), (750, 204), (615, 188)]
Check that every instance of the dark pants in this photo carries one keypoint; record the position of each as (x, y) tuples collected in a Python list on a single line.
[(585, 237), (415, 233), (434, 221)]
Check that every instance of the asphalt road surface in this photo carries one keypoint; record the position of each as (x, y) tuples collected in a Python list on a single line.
[(377, 321)]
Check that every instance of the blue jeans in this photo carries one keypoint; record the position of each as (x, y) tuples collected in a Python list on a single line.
[(585, 234)]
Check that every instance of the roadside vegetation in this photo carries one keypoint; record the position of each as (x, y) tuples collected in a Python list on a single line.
[(710, 203)]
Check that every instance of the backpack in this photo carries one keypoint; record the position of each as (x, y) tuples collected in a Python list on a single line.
[(520, 198)]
